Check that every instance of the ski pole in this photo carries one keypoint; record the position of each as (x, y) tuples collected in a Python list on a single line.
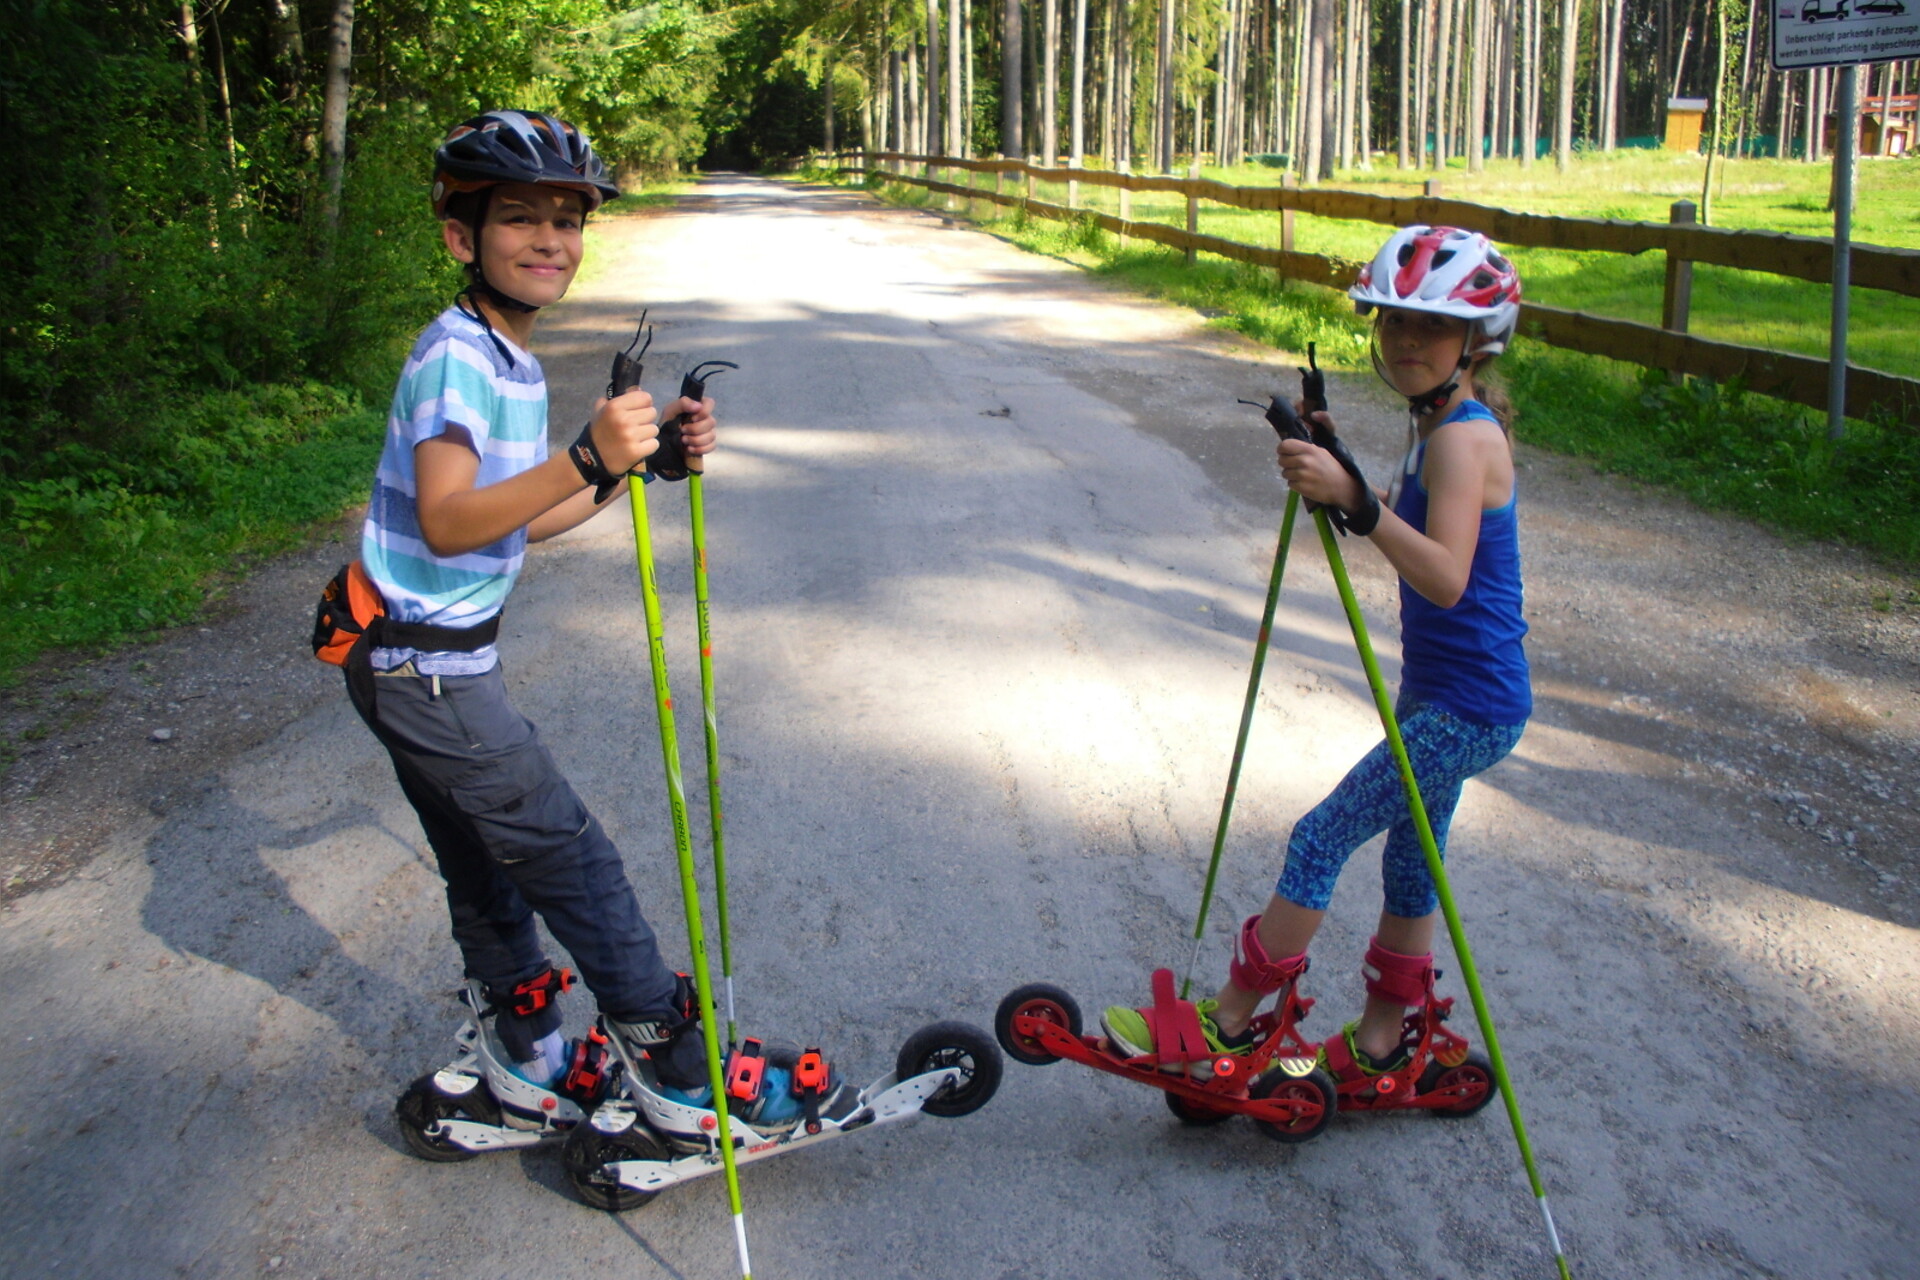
[(627, 375), (1431, 849), (694, 386), (1240, 740)]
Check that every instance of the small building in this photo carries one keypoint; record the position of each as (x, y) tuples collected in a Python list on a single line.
[(1684, 117), (1887, 124)]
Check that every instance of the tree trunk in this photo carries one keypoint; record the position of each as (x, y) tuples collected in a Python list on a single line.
[(957, 112), (1319, 163), (1077, 131), (1163, 89), (967, 82), (1476, 135), (1013, 26), (1443, 73), (1719, 111), (190, 44), (1423, 84), (1349, 82), (333, 112), (935, 139), (1050, 83), (898, 100), (1563, 113)]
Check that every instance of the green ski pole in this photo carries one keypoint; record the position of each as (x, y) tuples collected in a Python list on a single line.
[(683, 849), (1431, 848), (696, 505), (694, 386), (1240, 741)]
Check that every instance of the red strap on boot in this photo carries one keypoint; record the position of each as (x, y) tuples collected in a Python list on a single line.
[(537, 992), (1405, 980), (746, 1067), (810, 1080), (1254, 970), (1175, 1025)]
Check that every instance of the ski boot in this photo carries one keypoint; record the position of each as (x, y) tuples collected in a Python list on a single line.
[(1432, 1068), (479, 1102)]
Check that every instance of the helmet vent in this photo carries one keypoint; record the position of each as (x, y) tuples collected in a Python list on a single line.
[(1443, 257)]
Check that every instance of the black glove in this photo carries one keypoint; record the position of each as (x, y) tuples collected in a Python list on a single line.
[(1363, 520)]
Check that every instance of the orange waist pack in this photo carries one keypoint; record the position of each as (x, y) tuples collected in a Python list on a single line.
[(352, 621)]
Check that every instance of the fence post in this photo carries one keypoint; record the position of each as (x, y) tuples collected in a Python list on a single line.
[(1433, 188), (1193, 221), (1126, 198), (998, 176), (1678, 299), (1287, 183), (1029, 172)]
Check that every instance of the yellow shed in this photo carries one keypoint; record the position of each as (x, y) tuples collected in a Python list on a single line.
[(1683, 123)]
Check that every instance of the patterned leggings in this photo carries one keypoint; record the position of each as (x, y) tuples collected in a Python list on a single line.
[(1445, 751)]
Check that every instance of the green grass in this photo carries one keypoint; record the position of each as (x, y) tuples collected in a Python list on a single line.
[(1718, 445), (1749, 308), (96, 557)]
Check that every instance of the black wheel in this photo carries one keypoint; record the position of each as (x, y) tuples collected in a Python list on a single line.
[(952, 1044), (1196, 1113), (425, 1104), (1471, 1084), (587, 1153), (1314, 1088), (1035, 1000)]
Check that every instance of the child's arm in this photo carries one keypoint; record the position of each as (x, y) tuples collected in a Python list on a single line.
[(1458, 468), (456, 517), (698, 435)]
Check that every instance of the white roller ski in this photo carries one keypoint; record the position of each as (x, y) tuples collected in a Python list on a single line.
[(640, 1142)]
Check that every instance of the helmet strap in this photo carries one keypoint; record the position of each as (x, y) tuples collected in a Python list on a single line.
[(477, 314)]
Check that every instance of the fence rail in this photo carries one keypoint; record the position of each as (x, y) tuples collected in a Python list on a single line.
[(1783, 375)]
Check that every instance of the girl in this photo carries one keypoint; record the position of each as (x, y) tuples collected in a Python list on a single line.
[(1444, 303)]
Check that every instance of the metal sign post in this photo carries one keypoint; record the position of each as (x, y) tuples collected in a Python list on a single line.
[(1847, 35)]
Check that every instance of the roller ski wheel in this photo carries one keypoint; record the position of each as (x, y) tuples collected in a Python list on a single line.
[(1197, 1114), (610, 1136), (1039, 1000), (428, 1101), (1313, 1093), (959, 1046), (1471, 1085)]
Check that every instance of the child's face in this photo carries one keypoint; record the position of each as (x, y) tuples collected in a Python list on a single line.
[(1421, 350), (530, 244)]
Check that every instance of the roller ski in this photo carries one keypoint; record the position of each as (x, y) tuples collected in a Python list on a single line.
[(1289, 1086), (649, 1135), (1271, 1075)]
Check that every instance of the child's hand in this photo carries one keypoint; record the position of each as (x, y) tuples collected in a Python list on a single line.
[(699, 433), (1314, 473), (626, 430)]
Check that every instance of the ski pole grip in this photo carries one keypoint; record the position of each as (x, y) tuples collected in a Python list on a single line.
[(670, 462), (1313, 383)]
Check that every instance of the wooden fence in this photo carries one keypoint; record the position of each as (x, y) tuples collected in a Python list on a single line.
[(1783, 375)]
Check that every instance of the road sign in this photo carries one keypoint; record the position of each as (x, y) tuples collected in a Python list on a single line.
[(1834, 33)]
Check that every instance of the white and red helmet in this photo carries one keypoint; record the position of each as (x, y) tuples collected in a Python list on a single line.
[(1449, 272)]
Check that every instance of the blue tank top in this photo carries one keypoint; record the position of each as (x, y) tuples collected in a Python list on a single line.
[(1469, 659)]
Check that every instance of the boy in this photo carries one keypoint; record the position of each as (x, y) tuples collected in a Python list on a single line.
[(465, 482)]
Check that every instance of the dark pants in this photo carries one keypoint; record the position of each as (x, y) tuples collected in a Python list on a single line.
[(512, 838)]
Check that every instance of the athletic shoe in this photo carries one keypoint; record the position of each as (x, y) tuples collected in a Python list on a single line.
[(1128, 1029)]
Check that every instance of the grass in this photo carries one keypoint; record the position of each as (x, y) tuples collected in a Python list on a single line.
[(1745, 307), (1716, 444)]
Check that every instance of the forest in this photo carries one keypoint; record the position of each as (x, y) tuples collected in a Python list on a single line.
[(220, 258)]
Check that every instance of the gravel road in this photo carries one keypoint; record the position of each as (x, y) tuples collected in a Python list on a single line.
[(989, 543)]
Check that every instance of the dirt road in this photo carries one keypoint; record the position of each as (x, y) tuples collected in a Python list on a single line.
[(989, 544)]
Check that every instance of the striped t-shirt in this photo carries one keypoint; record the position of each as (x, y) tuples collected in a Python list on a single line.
[(455, 377)]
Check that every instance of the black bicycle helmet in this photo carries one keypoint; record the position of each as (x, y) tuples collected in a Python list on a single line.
[(515, 146)]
